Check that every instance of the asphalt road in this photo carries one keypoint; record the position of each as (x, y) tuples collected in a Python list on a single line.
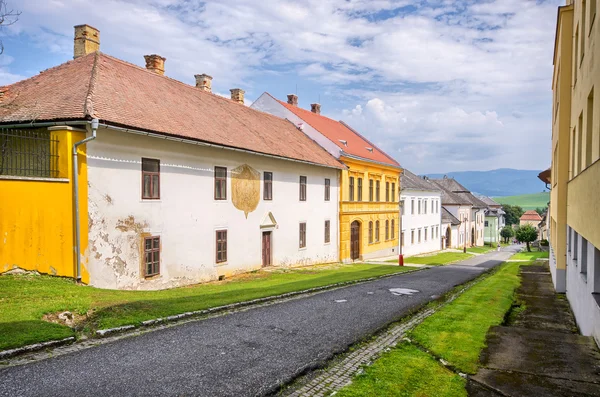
[(248, 353)]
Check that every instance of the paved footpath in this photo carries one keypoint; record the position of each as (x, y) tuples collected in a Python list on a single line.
[(246, 353)]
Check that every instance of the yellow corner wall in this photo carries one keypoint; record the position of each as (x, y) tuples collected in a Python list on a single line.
[(366, 211), (584, 211), (36, 216)]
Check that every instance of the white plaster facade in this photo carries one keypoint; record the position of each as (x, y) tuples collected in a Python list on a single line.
[(453, 236), (583, 283), (186, 217), (463, 213), (421, 221)]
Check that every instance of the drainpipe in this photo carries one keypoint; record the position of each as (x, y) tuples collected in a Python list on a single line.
[(94, 124)]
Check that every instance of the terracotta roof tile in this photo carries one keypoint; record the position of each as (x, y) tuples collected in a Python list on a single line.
[(531, 215), (120, 93), (336, 130)]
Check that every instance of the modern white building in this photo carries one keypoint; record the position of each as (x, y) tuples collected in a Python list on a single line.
[(421, 215)]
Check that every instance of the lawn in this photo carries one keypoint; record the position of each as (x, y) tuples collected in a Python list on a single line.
[(526, 201), (443, 258), (530, 256), (25, 299), (480, 250), (405, 371), (456, 333)]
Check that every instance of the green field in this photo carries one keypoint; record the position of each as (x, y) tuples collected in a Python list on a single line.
[(526, 201)]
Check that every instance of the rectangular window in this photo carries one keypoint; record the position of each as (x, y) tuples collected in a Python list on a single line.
[(302, 242), (378, 190), (412, 236), (387, 229), (419, 232), (151, 256), (580, 153), (387, 192), (485, 224), (589, 128), (221, 246), (220, 183), (425, 206), (437, 232), (419, 210), (576, 49), (402, 237), (402, 206), (351, 189), (412, 206), (360, 189), (592, 14), (302, 188), (377, 231), (150, 179), (32, 153), (393, 192), (371, 189), (432, 206), (327, 189), (327, 231), (425, 235), (432, 234), (268, 186), (370, 232), (584, 258), (393, 229), (583, 9)]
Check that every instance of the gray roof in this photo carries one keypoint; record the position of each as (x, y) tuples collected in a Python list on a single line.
[(410, 181), (457, 193), (489, 201), (447, 217)]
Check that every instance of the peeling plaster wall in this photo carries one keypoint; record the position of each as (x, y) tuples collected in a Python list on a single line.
[(186, 216)]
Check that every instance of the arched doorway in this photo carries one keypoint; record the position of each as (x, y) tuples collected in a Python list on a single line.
[(448, 237), (472, 237), (355, 240)]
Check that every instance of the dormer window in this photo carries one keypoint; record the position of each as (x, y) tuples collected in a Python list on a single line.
[(345, 143), (370, 149)]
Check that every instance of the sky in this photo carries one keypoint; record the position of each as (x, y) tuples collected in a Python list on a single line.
[(441, 85)]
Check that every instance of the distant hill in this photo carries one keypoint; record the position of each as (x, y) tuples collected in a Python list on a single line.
[(500, 182), (526, 201)]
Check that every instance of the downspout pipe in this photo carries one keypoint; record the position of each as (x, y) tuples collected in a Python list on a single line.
[(94, 125)]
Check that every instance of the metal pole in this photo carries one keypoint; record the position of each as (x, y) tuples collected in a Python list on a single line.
[(400, 254)]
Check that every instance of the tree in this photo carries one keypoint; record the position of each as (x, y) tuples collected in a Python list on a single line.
[(507, 232), (541, 211), (7, 18), (527, 234), (513, 213)]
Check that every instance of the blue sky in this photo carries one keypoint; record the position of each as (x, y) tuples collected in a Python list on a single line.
[(440, 85)]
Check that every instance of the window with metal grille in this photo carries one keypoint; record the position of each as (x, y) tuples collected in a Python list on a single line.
[(377, 231), (387, 229), (302, 188), (327, 189), (221, 246), (29, 153), (268, 186), (351, 191), (387, 192), (220, 183), (151, 256), (327, 231), (150, 179), (302, 242), (370, 232), (370, 189), (377, 190), (359, 189)]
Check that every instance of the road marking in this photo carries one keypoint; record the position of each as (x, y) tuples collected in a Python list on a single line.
[(341, 301), (403, 291)]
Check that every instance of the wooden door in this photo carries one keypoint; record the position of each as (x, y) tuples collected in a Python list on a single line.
[(355, 240), (266, 249)]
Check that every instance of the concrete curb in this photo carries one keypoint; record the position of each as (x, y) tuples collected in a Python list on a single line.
[(161, 320), (36, 346)]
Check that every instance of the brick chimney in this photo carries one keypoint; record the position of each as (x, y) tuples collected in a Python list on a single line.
[(315, 108), (204, 82), (155, 63), (237, 95), (293, 99), (87, 40)]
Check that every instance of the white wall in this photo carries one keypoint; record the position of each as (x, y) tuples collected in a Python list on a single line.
[(582, 282), (463, 213), (186, 216), (266, 103), (415, 222), (453, 235)]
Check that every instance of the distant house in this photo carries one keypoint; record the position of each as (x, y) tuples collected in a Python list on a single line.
[(450, 229), (173, 185), (494, 220), (530, 217), (421, 215)]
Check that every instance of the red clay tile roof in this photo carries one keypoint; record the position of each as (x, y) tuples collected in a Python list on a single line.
[(530, 215), (120, 93), (336, 130)]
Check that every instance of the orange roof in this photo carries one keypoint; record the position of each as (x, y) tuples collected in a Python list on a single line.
[(122, 94), (337, 131), (531, 215)]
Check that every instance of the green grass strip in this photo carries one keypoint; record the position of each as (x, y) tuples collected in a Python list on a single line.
[(443, 258), (457, 332), (405, 371), (25, 299), (530, 256)]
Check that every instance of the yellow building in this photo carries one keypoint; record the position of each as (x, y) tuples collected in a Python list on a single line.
[(575, 172), (369, 199)]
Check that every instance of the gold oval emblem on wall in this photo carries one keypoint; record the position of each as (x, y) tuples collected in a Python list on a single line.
[(245, 188)]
